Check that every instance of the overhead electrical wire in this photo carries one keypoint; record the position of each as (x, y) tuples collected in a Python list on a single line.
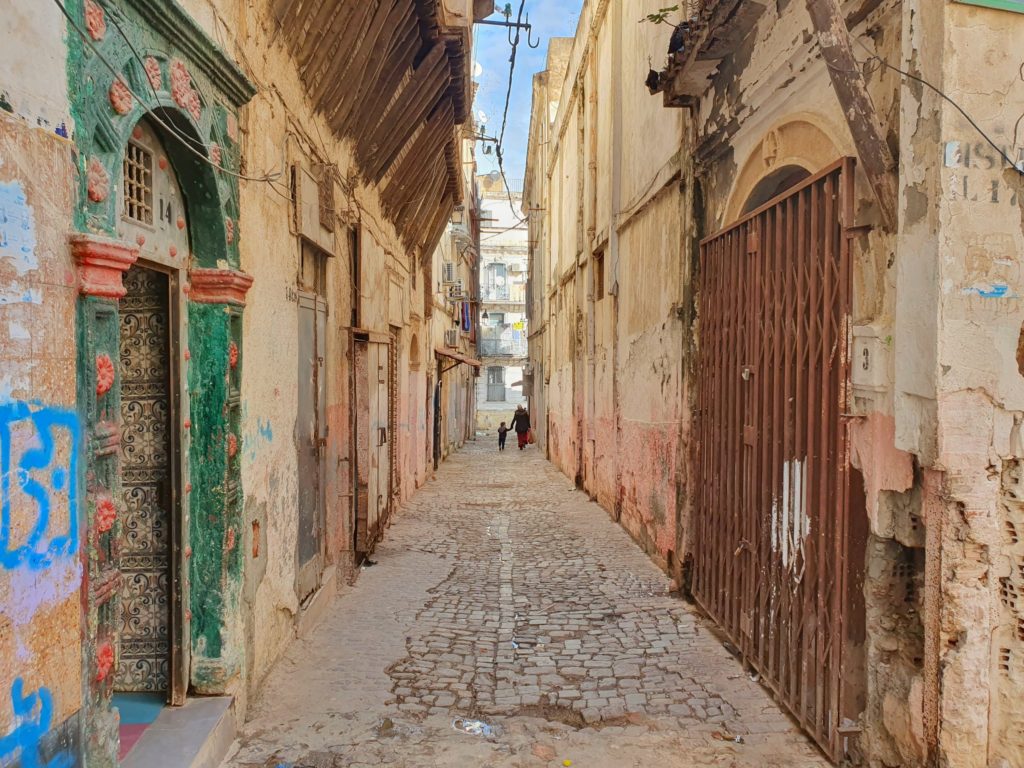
[(874, 57), (186, 141), (499, 144)]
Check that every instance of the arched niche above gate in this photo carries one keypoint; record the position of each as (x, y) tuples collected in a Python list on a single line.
[(801, 142), (172, 74)]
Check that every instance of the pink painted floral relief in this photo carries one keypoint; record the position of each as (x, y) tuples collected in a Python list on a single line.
[(233, 128), (98, 181), (232, 445), (106, 514), (120, 97), (233, 354), (153, 72), (95, 21), (229, 227), (215, 154), (104, 374), (104, 661), (182, 91), (230, 544)]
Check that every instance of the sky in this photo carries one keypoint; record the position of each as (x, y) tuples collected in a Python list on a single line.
[(549, 18)]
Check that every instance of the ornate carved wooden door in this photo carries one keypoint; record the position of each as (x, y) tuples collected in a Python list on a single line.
[(147, 483)]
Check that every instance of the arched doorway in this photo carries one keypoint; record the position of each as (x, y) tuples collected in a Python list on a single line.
[(773, 185), (151, 314)]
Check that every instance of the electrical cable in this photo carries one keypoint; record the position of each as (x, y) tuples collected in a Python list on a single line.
[(872, 56), (499, 144), (186, 141)]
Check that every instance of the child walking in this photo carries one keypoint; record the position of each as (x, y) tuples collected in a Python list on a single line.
[(502, 432)]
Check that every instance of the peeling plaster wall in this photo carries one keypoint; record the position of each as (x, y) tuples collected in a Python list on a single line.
[(979, 237), (42, 661), (611, 256)]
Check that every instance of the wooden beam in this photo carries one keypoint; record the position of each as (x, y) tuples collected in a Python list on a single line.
[(398, 26), (329, 75), (425, 176), (412, 91), (435, 230), (399, 65), (848, 81), (423, 148), (420, 206), (346, 83), (417, 99), (329, 19)]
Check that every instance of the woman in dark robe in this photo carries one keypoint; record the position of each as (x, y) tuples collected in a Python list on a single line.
[(521, 424)]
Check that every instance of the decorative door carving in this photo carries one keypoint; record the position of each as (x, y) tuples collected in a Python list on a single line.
[(145, 544)]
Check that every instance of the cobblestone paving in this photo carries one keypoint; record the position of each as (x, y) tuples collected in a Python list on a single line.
[(503, 595)]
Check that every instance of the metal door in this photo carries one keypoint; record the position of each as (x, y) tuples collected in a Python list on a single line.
[(148, 525), (394, 476), (496, 384), (372, 388), (775, 559), (361, 450), (383, 426), (311, 437)]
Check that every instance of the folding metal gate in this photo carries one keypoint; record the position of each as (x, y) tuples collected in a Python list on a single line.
[(773, 552)]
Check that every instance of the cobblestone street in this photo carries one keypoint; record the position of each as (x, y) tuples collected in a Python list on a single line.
[(503, 595)]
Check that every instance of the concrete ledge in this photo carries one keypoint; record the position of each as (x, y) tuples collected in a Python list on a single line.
[(197, 735), (316, 607)]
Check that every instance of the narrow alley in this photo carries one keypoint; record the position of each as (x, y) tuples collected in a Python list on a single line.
[(503, 595)]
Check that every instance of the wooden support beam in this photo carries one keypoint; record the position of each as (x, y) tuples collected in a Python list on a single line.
[(329, 20), (399, 63), (329, 73), (401, 184), (415, 101), (435, 231), (421, 206), (848, 81), (426, 180), (400, 24)]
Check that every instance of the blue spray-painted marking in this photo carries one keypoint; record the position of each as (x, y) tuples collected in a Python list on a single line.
[(264, 429), (33, 715), (17, 228), (42, 546), (996, 291)]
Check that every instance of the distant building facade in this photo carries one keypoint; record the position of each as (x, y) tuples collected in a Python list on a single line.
[(504, 327)]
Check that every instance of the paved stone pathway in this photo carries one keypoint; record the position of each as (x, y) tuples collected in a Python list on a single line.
[(503, 595)]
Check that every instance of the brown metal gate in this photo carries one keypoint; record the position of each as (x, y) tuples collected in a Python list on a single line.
[(773, 553)]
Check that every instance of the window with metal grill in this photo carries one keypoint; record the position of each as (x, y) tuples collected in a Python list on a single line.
[(138, 183)]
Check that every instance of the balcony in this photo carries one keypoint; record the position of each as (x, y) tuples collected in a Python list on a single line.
[(502, 341), (503, 348), (495, 293)]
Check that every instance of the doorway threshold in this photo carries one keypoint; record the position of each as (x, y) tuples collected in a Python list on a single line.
[(196, 735)]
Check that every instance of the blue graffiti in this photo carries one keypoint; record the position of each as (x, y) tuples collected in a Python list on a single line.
[(997, 291), (264, 429), (30, 727), (39, 474)]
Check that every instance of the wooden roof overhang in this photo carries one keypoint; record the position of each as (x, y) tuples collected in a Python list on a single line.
[(713, 32), (387, 76)]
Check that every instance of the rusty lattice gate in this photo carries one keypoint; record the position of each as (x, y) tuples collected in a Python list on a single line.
[(777, 564)]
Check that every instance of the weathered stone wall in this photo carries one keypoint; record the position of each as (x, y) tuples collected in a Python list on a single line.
[(935, 326), (237, 427), (43, 666), (613, 340)]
